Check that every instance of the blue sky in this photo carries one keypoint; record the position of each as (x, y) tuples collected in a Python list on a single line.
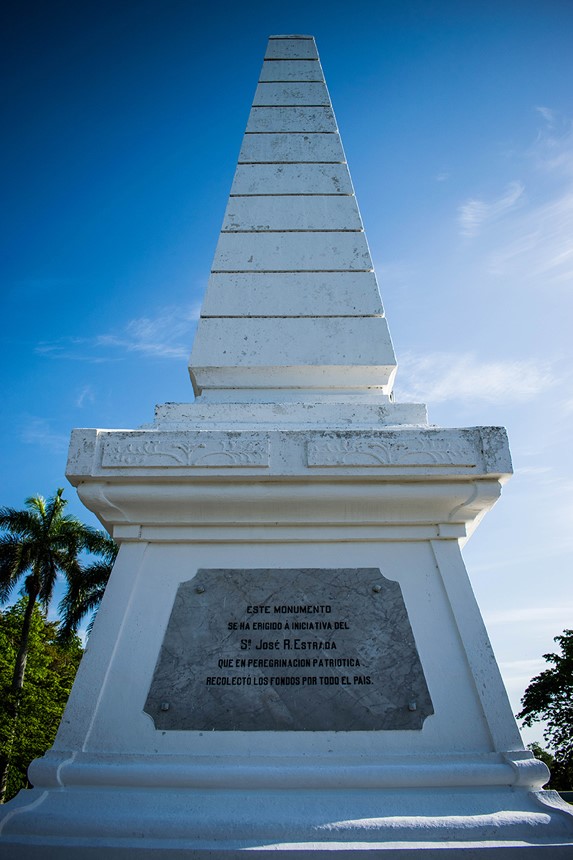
[(122, 125)]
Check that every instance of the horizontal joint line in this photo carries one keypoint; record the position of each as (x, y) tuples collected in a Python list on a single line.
[(291, 316), (284, 271), (292, 132), (291, 81), (291, 162), (328, 105), (256, 272), (297, 230), (294, 194)]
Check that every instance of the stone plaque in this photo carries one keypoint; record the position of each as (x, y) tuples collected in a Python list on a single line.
[(289, 650)]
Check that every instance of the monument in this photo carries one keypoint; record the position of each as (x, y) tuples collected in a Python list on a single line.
[(289, 659)]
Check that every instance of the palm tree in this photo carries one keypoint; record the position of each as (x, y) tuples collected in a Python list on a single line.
[(84, 593), (35, 545)]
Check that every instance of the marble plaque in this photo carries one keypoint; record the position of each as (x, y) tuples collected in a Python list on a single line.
[(288, 650)]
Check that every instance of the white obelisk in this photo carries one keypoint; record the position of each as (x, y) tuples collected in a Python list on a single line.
[(293, 502)]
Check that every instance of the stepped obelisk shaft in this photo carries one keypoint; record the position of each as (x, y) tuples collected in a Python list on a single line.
[(292, 302)]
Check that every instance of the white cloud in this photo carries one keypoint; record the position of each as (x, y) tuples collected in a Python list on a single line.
[(475, 213), (547, 113), (517, 675), (553, 148), (73, 349), (38, 432), (539, 243), (533, 237), (442, 376), (521, 671), (86, 395), (398, 271), (533, 471), (527, 615), (169, 334)]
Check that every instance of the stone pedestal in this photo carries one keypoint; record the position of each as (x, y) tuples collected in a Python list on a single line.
[(289, 659), (128, 776)]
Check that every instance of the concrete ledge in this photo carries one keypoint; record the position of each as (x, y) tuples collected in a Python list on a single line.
[(63, 768), (120, 824), (389, 454)]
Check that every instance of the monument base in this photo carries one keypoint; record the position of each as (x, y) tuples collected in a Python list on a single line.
[(136, 822), (185, 735)]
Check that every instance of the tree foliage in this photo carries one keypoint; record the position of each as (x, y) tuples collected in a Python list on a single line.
[(37, 544), (50, 673), (549, 697), (86, 586), (41, 541)]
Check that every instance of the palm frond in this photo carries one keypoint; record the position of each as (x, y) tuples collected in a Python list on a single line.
[(85, 591), (40, 542), (22, 523)]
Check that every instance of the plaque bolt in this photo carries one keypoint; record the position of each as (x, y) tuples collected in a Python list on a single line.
[(165, 706), (412, 706), (377, 588), (200, 589)]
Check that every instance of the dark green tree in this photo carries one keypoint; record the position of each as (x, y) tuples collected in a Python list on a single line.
[(549, 697), (85, 590), (50, 672), (36, 544)]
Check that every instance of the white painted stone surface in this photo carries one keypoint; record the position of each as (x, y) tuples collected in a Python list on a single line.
[(119, 727), (276, 119), (448, 788), (292, 212), (385, 453), (261, 383), (359, 411), (292, 294), (302, 47), (292, 457), (202, 831), (287, 252), (302, 212), (291, 70), (289, 94), (291, 179), (291, 147), (299, 353)]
